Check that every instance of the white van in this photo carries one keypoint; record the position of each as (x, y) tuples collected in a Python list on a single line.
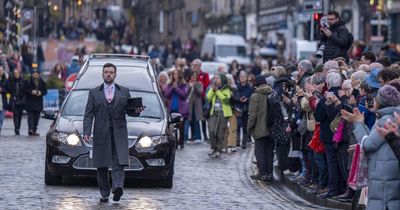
[(303, 49), (225, 48)]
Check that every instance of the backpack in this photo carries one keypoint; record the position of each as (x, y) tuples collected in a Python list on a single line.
[(350, 40)]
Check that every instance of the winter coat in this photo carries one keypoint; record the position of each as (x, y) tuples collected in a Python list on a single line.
[(279, 124), (3, 92), (244, 91), (258, 112), (182, 92), (337, 44), (369, 117), (17, 89), (195, 102), (223, 94), (325, 116), (235, 99), (33, 102), (383, 166), (99, 117)]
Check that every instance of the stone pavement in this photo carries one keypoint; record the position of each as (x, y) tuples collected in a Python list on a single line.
[(199, 182)]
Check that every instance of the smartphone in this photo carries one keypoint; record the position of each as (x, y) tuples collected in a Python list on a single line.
[(370, 101)]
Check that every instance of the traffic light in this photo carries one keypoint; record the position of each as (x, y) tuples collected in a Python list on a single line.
[(317, 16), (317, 25)]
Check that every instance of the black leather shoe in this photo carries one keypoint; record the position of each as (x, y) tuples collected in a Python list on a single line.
[(347, 196), (259, 177), (329, 195), (16, 131), (118, 192), (104, 200)]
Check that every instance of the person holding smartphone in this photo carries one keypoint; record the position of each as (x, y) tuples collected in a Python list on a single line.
[(325, 115), (336, 38)]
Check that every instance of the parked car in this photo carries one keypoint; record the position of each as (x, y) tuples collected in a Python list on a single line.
[(151, 135), (225, 48)]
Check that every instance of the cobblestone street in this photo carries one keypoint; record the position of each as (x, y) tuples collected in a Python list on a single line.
[(200, 182)]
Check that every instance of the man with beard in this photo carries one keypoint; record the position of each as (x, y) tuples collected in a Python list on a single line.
[(107, 104), (336, 38)]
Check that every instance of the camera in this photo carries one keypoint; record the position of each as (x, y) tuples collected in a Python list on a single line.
[(320, 51), (289, 88)]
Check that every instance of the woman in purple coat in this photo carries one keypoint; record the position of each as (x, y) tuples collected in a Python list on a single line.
[(176, 93)]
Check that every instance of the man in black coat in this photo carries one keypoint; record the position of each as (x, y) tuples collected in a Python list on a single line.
[(337, 38), (35, 90)]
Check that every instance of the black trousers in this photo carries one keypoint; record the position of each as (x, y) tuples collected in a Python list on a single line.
[(335, 180), (204, 129), (17, 116), (33, 120), (117, 174), (264, 152), (282, 152), (242, 123)]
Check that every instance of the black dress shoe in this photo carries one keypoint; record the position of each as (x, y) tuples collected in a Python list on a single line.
[(261, 177), (16, 131), (104, 200), (347, 196), (117, 193), (329, 195)]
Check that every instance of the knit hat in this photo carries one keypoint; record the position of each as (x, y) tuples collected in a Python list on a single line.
[(388, 96), (319, 68), (395, 83), (260, 80)]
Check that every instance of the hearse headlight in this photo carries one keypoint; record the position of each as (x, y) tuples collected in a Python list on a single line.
[(147, 142), (69, 139)]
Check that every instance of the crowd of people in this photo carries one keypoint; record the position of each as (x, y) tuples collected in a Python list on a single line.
[(20, 90), (314, 118), (309, 119)]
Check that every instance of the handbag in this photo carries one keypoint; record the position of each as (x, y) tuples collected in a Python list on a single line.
[(338, 135), (358, 174), (316, 144), (206, 109), (310, 121)]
